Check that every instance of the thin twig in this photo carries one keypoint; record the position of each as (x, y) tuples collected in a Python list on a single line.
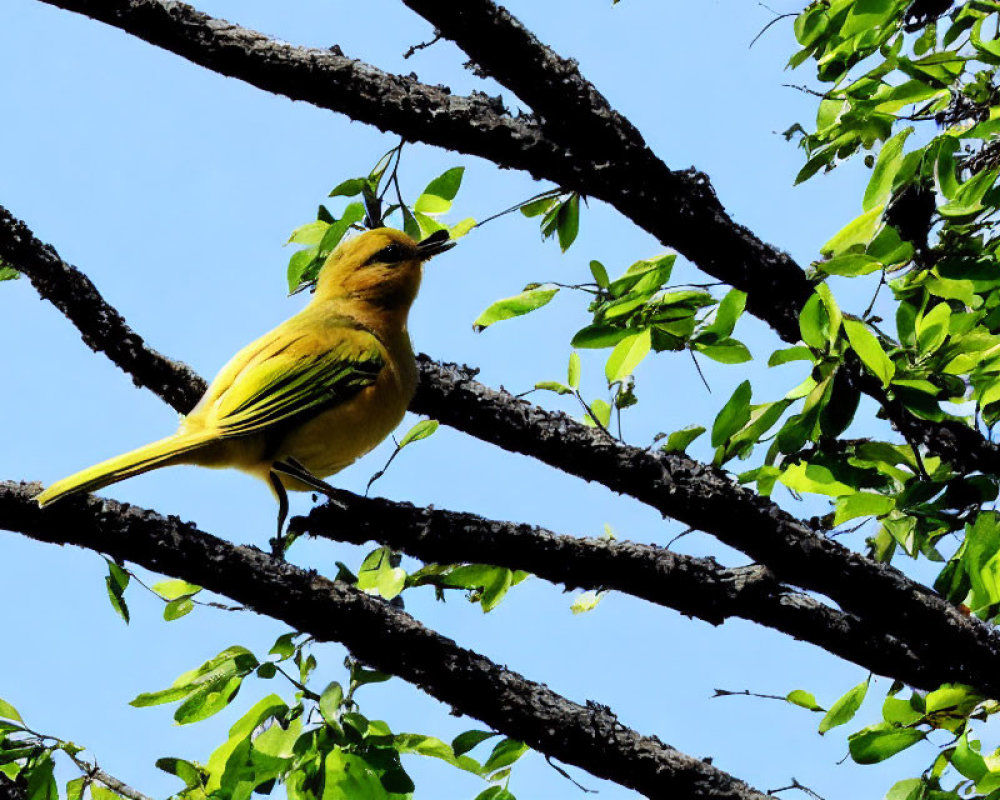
[(306, 691), (748, 693), (796, 785), (590, 413), (94, 772), (701, 374), (768, 26), (547, 193), (871, 305), (569, 777), (423, 45)]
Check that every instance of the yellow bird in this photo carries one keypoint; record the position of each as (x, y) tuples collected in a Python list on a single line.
[(313, 395)]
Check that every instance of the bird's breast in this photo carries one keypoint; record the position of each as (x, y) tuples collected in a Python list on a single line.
[(341, 434)]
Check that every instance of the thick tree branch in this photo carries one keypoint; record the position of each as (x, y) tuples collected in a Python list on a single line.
[(697, 587), (676, 485), (679, 208), (101, 326), (576, 114), (590, 737), (706, 499), (475, 124), (570, 106)]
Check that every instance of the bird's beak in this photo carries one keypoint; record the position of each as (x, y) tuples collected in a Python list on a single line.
[(434, 244)]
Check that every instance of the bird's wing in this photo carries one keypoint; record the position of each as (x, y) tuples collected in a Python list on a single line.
[(294, 375)]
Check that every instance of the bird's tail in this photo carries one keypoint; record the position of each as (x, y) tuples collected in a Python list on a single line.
[(156, 454)]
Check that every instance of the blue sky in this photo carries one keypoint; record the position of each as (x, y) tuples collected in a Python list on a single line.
[(174, 189)]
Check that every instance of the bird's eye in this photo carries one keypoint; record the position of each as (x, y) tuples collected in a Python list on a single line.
[(390, 254)]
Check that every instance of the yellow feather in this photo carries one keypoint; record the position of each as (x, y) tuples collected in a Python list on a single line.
[(150, 456), (321, 389)]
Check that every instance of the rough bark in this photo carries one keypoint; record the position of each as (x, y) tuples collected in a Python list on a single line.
[(588, 736), (680, 208), (102, 328), (707, 499), (676, 485), (696, 587)]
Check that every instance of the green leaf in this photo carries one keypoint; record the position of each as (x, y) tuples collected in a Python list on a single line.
[(728, 313), (800, 697), (178, 608), (355, 212), (725, 351), (175, 589), (967, 760), (600, 274), (116, 582), (8, 273), (879, 742), (284, 646), (329, 702), (932, 328), (465, 742), (459, 229), (515, 306), (845, 708), (890, 158), (300, 265), (832, 311), (440, 192), (678, 441), (42, 782), (734, 414), (814, 323), (862, 504), (586, 601), (309, 234), (74, 788), (573, 371), (504, 754), (540, 206), (788, 354), (568, 222), (7, 711), (208, 700), (908, 789), (423, 429), (598, 335), (864, 343), (968, 201), (627, 355), (601, 410), (349, 188), (814, 479), (554, 386), (232, 662), (856, 234)]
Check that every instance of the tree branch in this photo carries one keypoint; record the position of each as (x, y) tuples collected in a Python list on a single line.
[(702, 497), (601, 154), (590, 737), (576, 114), (571, 106), (707, 499), (697, 587), (474, 124), (679, 208), (109, 780), (101, 326)]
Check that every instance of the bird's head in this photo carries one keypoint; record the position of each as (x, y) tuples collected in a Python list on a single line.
[(381, 267)]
